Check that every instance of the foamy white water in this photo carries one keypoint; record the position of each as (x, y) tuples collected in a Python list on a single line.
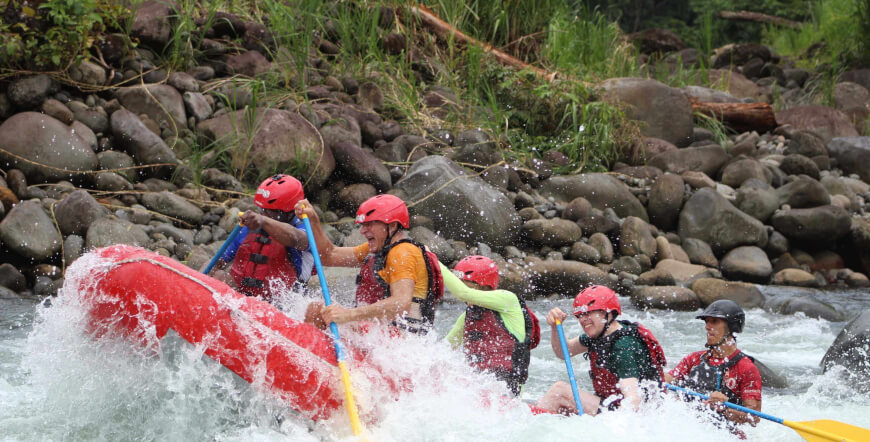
[(56, 383)]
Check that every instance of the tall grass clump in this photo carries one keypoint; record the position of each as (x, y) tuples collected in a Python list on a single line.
[(586, 44)]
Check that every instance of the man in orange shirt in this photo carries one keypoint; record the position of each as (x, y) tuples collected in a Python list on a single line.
[(398, 282)]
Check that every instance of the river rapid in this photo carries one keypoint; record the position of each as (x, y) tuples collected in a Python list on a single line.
[(57, 383)]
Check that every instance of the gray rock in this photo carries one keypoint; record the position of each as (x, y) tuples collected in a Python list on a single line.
[(73, 246), (370, 96), (853, 155), (95, 119), (826, 122), (777, 244), (757, 202), (467, 209), (183, 81), (665, 298), (799, 165), (554, 232), (475, 147), (850, 350), (603, 245), (360, 166), (744, 294), (144, 146), (794, 277), (823, 223), (803, 192), (111, 182), (565, 277), (746, 263), (249, 63), (57, 110), (88, 72), (806, 143), (665, 112), (706, 159), (599, 222), (636, 239), (734, 174), (29, 92), (601, 190), (699, 252), (11, 278), (181, 236), (43, 140), (350, 197), (162, 103), (666, 198), (803, 303), (109, 230), (711, 218), (627, 264), (197, 106), (77, 211), (438, 245), (151, 23), (28, 231), (112, 160), (580, 251), (172, 205)]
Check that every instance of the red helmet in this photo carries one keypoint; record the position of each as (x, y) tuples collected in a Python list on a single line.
[(596, 297), (479, 269), (385, 208), (279, 192)]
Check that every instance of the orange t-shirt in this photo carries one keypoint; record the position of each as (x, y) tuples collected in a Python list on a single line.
[(405, 261)]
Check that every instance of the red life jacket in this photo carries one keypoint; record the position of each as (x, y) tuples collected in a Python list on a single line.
[(258, 260), (371, 288), (600, 355), (490, 347)]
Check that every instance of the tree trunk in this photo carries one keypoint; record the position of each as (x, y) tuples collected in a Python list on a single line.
[(742, 117)]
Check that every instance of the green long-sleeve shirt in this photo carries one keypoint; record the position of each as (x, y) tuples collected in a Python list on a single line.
[(503, 302)]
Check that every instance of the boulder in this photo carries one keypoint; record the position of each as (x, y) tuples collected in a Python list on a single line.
[(565, 278), (360, 166), (758, 202), (11, 278), (40, 140), (76, 212), (161, 102), (141, 143), (350, 197), (853, 155), (636, 239), (745, 294), (820, 224), (151, 23), (28, 231), (109, 230), (797, 164), (197, 106), (665, 298), (601, 190), (709, 217), (735, 173), (802, 192), (806, 143), (435, 243), (282, 141), (737, 85), (697, 180), (555, 232), (673, 272), (174, 206), (699, 252), (663, 111), (854, 100), (851, 350), (746, 263), (706, 159), (803, 302), (466, 209), (603, 245), (29, 92), (249, 63), (578, 208), (825, 121), (794, 277), (580, 251), (666, 198)]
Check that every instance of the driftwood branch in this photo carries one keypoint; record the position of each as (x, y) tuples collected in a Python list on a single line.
[(742, 117), (759, 18)]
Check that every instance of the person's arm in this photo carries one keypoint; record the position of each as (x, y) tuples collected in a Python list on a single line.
[(284, 233), (454, 337), (749, 390), (399, 303), (330, 254), (630, 392), (499, 300), (574, 345)]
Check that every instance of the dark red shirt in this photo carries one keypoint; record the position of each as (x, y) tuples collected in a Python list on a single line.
[(743, 378)]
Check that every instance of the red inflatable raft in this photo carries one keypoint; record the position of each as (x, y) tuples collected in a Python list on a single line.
[(143, 296)]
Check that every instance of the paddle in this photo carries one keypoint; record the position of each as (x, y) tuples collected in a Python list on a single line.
[(223, 248), (818, 430), (567, 357), (339, 351)]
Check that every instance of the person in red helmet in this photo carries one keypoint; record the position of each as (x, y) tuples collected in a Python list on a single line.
[(497, 330), (621, 354), (271, 250), (399, 281)]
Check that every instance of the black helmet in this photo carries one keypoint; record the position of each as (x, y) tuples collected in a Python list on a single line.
[(727, 310)]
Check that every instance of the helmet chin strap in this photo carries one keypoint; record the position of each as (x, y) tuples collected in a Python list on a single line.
[(610, 319), (389, 238)]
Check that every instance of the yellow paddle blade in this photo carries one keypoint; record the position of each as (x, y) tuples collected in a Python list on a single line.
[(827, 430), (348, 399)]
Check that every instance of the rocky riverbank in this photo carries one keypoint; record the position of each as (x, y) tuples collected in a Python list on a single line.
[(112, 158)]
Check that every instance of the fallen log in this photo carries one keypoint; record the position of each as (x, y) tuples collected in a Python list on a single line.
[(759, 18), (741, 117)]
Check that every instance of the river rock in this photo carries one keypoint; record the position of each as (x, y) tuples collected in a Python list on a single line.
[(28, 231), (853, 99), (360, 166), (109, 230), (737, 84), (580, 251), (601, 190), (758, 202), (11, 278), (141, 143), (350, 197), (605, 248), (697, 180), (77, 211), (709, 217), (806, 143), (151, 23), (706, 159), (826, 122), (851, 349), (248, 63), (197, 106), (88, 72), (744, 294), (665, 112), (666, 250), (794, 277), (73, 247), (42, 139), (802, 301), (734, 174), (555, 232), (823, 223), (435, 243), (283, 141), (799, 165), (172, 205), (666, 198), (565, 278), (578, 208), (58, 110), (673, 272), (665, 298), (699, 252), (803, 192), (746, 263), (29, 92), (467, 209), (162, 103), (636, 239), (853, 155)]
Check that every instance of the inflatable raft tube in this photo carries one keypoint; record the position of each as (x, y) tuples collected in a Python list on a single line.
[(142, 296)]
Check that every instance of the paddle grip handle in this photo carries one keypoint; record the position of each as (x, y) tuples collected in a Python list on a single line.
[(569, 367)]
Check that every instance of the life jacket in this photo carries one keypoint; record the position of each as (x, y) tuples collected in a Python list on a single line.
[(705, 377), (490, 347), (371, 288), (259, 259), (604, 381)]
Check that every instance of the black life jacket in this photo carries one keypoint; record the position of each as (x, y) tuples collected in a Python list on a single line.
[(372, 288), (490, 347), (600, 355), (705, 377)]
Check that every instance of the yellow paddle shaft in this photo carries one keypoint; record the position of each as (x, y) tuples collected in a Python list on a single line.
[(348, 399)]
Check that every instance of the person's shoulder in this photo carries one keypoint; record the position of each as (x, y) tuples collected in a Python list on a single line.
[(694, 356), (405, 248), (747, 365)]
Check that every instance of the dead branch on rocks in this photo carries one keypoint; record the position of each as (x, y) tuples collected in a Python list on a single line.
[(742, 117)]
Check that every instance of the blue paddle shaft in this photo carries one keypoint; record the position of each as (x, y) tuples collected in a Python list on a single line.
[(327, 300), (567, 357), (728, 404), (223, 248)]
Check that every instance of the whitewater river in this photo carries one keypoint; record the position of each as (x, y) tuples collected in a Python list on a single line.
[(57, 384)]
